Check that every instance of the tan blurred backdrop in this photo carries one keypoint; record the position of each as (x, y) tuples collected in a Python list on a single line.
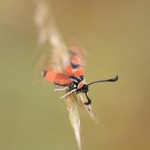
[(117, 37)]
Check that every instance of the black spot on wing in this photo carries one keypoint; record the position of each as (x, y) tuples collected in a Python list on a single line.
[(74, 66), (60, 84)]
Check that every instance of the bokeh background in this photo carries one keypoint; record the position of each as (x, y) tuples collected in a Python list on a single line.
[(117, 37)]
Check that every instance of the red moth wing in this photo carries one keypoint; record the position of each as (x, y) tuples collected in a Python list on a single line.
[(57, 78), (77, 59), (75, 68), (74, 72)]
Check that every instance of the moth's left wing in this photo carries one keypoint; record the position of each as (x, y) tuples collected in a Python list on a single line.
[(57, 78)]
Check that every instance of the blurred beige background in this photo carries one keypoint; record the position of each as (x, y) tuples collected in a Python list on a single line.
[(117, 36)]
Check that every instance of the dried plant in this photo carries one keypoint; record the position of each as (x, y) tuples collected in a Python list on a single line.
[(48, 32)]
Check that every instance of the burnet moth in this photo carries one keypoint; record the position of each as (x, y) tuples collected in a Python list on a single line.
[(73, 77)]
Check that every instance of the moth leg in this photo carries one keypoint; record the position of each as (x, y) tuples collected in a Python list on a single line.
[(68, 93), (60, 89)]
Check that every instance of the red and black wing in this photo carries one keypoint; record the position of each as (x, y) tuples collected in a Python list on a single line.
[(77, 61), (74, 68), (57, 78)]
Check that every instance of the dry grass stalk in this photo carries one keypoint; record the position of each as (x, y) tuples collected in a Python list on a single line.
[(47, 32)]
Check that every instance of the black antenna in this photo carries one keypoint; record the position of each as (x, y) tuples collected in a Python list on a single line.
[(108, 80), (89, 101)]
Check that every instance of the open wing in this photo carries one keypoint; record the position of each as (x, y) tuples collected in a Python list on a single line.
[(56, 78), (77, 60)]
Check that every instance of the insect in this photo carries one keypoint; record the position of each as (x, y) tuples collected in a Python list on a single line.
[(73, 77)]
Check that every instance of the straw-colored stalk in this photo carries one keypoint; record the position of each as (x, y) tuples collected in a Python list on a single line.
[(47, 32)]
